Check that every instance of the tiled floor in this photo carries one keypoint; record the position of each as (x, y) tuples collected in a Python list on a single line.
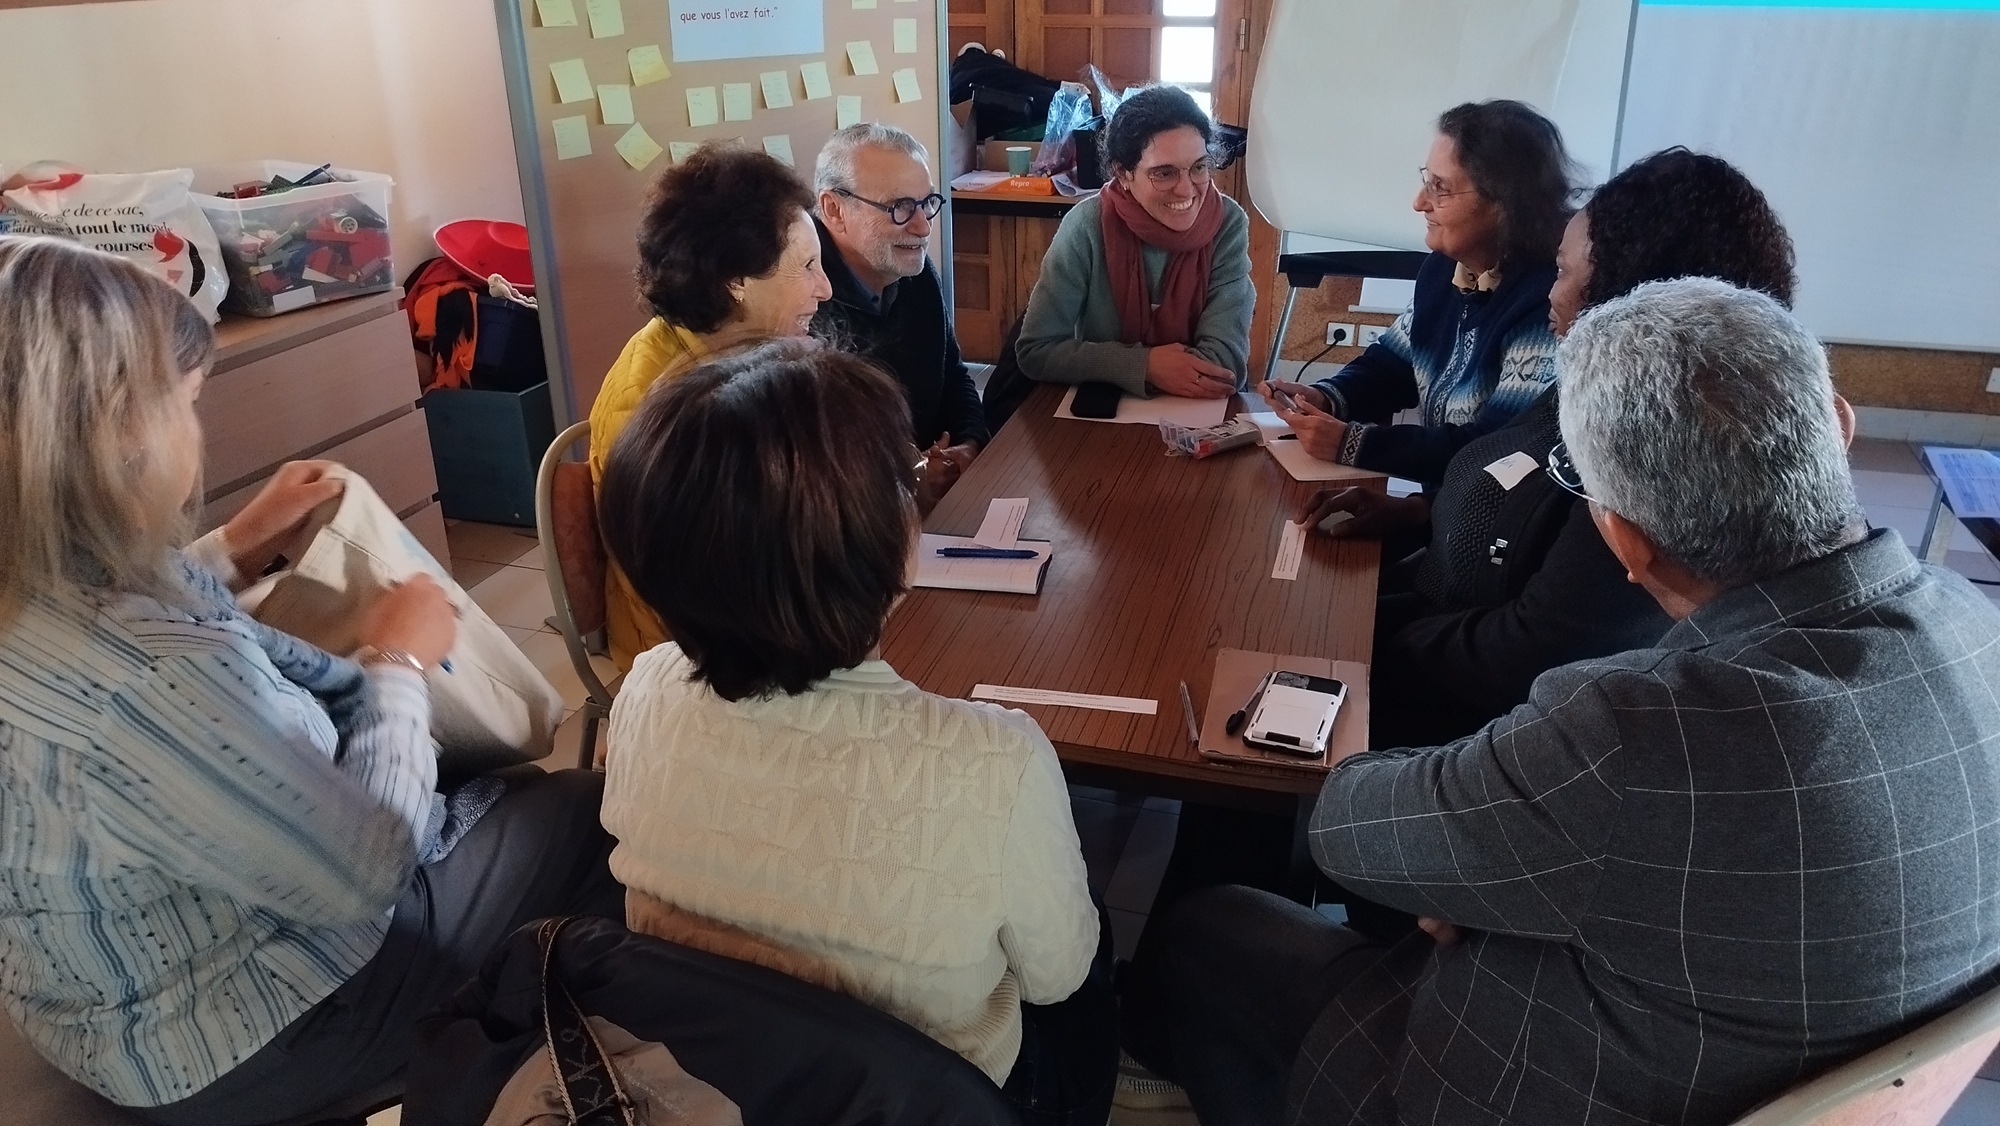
[(1128, 837)]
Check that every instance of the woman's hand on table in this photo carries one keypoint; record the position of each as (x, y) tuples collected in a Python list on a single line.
[(1307, 411), (1179, 370), (255, 535), (1371, 514)]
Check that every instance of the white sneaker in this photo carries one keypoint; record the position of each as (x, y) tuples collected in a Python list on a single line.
[(1144, 1099)]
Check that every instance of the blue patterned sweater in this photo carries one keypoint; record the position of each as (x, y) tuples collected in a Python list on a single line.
[(1469, 362)]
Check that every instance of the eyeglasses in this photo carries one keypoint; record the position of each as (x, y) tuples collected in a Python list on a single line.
[(1167, 175), (1563, 472), (1435, 189), (900, 211)]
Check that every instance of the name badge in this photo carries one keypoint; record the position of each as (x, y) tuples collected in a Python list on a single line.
[(1510, 470)]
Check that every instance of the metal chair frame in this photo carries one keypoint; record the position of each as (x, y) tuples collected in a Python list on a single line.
[(597, 703)]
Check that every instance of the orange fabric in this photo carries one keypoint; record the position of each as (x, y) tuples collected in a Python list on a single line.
[(450, 359)]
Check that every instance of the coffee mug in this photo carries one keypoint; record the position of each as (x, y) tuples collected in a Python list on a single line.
[(1018, 159)]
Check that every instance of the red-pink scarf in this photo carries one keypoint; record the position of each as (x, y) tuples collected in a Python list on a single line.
[(1128, 230)]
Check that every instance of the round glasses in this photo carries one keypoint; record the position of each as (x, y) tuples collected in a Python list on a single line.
[(900, 211), (1167, 175), (1435, 189)]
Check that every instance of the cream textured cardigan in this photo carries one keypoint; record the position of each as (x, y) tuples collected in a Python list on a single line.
[(919, 848)]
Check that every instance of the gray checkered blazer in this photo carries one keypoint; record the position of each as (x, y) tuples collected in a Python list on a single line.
[(1690, 875)]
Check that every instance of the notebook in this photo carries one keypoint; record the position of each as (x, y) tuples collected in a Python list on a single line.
[(1008, 576)]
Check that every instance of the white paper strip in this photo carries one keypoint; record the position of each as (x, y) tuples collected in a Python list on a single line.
[(1064, 699), (1002, 526), (1291, 549)]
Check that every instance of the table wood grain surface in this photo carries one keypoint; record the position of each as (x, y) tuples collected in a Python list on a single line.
[(1158, 563)]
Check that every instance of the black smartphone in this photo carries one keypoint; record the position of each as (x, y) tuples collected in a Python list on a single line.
[(1096, 400)]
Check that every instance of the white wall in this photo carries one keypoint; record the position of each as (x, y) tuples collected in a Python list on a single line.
[(410, 88)]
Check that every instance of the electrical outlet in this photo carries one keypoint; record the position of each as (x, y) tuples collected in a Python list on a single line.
[(1371, 333), (1339, 332), (1993, 382)]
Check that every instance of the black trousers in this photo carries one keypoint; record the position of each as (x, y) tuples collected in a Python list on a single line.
[(1068, 1066), (1222, 991), (539, 851)]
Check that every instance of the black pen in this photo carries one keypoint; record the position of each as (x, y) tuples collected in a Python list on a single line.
[(986, 553), (1237, 718)]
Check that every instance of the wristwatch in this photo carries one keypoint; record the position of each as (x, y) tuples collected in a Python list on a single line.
[(376, 655)]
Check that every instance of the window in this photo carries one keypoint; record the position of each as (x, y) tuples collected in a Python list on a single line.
[(1131, 41)]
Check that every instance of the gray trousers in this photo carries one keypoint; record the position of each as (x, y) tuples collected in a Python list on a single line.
[(539, 851)]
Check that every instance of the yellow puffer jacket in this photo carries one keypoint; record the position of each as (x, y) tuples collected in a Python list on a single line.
[(657, 351)]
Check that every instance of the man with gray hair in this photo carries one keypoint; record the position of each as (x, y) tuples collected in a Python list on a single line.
[(876, 203), (1676, 881)]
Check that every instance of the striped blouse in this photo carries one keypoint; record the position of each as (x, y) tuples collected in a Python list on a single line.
[(195, 849)]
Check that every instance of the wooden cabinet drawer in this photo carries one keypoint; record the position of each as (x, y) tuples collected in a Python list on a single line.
[(264, 412), (395, 458)]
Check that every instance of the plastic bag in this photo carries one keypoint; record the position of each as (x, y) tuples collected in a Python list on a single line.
[(1206, 441), (1067, 111), (147, 217)]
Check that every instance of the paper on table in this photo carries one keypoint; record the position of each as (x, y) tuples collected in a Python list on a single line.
[(977, 181), (908, 89), (861, 56), (736, 105), (1002, 526), (681, 150), (1305, 467), (1269, 426), (556, 13), (607, 19), (701, 106), (817, 84), (1161, 408), (1064, 699), (615, 104), (572, 137), (905, 35), (777, 89), (1971, 480), (1007, 576), (648, 65), (846, 111), (1401, 488), (638, 148), (1291, 549), (572, 81), (780, 146)]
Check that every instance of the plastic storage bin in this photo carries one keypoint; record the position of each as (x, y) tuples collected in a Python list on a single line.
[(488, 446), (298, 247)]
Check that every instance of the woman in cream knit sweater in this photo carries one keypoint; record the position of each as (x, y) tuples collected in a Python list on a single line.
[(779, 793)]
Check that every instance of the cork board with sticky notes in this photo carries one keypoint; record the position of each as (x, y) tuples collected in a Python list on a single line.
[(616, 91)]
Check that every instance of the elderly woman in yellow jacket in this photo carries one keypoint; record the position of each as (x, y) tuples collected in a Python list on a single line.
[(727, 254)]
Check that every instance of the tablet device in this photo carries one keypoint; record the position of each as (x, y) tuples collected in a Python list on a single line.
[(1096, 400), (1295, 714)]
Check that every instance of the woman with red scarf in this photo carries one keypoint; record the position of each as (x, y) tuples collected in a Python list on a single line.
[(1148, 285)]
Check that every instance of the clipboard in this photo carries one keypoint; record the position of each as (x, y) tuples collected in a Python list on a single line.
[(1237, 672)]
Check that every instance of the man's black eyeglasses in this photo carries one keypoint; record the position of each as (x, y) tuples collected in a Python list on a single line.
[(900, 211), (1563, 471)]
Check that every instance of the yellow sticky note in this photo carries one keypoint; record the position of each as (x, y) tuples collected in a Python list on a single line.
[(556, 13), (701, 106), (861, 56), (736, 101), (907, 88), (572, 137), (777, 89), (648, 64), (846, 111), (572, 81), (615, 103), (906, 37), (780, 147), (638, 148), (681, 150), (606, 18), (817, 84)]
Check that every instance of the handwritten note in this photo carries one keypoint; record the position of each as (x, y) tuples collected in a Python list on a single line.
[(648, 65), (607, 19), (556, 13), (572, 81), (701, 106), (681, 150), (572, 137), (736, 105), (817, 84), (780, 147), (615, 103), (638, 148), (1002, 526), (1971, 480), (777, 89), (861, 57), (1291, 550), (846, 111), (906, 37), (907, 87)]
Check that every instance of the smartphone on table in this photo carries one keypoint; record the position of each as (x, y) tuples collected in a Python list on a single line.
[(1295, 713)]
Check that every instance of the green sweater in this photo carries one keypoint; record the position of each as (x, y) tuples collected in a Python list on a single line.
[(1070, 333)]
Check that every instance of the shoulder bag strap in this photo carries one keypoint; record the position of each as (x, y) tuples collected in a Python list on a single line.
[(591, 1093)]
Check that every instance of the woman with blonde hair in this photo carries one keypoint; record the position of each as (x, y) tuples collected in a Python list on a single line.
[(227, 887)]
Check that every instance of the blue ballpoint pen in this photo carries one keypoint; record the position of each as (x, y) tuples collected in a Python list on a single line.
[(986, 553)]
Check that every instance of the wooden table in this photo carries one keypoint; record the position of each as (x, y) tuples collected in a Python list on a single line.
[(1158, 563)]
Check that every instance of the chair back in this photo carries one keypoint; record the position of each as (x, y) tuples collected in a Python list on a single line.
[(1910, 1081), (575, 564)]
